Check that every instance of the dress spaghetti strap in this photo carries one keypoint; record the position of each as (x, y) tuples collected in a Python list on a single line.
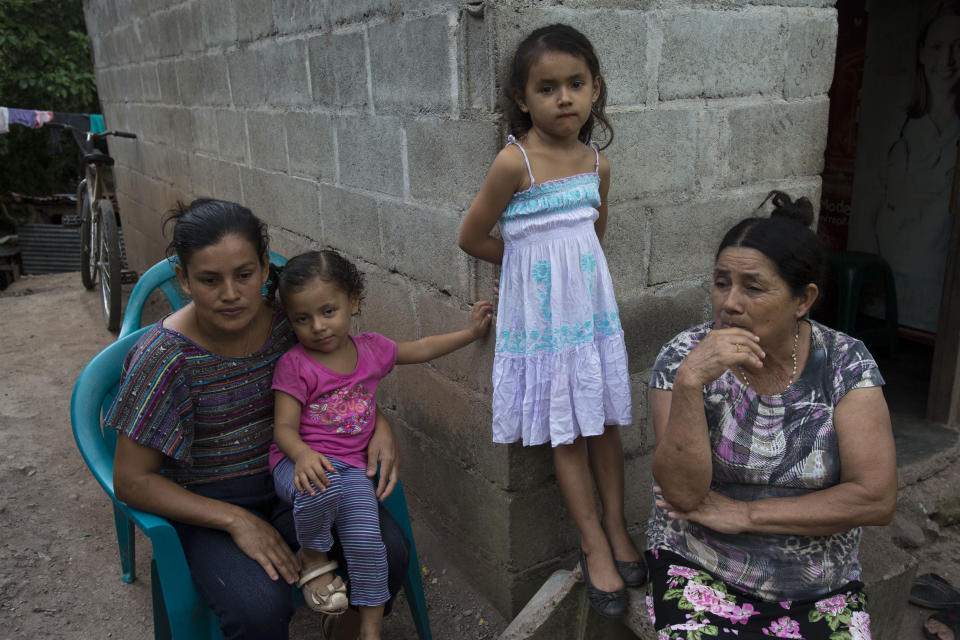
[(512, 140), (596, 151)]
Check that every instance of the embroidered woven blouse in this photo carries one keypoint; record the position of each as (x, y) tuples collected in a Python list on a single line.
[(211, 416)]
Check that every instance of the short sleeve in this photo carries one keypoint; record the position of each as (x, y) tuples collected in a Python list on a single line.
[(287, 376), (382, 351), (854, 367), (154, 406), (672, 355)]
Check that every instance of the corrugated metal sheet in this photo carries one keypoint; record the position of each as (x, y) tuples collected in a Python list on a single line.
[(49, 248)]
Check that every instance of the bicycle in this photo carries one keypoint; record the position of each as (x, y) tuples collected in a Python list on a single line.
[(99, 236)]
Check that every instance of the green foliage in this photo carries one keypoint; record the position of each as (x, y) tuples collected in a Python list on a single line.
[(47, 65)]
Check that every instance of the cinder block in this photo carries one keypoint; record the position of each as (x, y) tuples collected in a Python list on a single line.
[(676, 254), (343, 11), (351, 223), (180, 175), (410, 64), (163, 35), (387, 307), (638, 437), (254, 19), (203, 80), (775, 140), (410, 233), (285, 68), (248, 79), (471, 365), (190, 20), (149, 83), (167, 78), (811, 50), (227, 185), (151, 158), (310, 145), (448, 159), (720, 54), (651, 319), (370, 151), (281, 200), (232, 135), (450, 416), (205, 130), (478, 87), (219, 22), (202, 174), (888, 572), (653, 151), (127, 84), (294, 16), (268, 149), (469, 512), (338, 70), (626, 245)]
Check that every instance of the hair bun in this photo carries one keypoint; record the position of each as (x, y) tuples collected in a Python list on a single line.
[(799, 210)]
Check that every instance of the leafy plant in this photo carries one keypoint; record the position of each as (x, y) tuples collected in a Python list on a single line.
[(47, 65)]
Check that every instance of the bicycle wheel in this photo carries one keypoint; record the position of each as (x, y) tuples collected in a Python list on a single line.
[(109, 265), (88, 242)]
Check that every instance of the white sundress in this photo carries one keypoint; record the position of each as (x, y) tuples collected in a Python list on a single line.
[(560, 363)]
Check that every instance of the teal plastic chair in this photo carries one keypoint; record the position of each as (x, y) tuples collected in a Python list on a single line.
[(178, 610)]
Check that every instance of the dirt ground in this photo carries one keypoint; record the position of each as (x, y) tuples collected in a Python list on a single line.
[(59, 567)]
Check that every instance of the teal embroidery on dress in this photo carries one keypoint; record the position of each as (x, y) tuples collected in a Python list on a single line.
[(588, 265), (541, 275), (555, 339)]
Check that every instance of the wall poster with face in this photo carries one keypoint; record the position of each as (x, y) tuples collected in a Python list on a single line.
[(907, 148)]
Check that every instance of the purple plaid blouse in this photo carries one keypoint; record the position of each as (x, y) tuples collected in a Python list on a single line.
[(771, 446)]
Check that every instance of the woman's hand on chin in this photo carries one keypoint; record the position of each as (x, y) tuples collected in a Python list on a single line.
[(716, 511), (720, 350)]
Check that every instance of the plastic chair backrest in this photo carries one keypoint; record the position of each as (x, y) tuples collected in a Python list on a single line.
[(162, 276)]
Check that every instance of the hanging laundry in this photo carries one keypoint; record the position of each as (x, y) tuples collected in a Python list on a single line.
[(22, 117), (40, 118), (96, 123), (4, 127)]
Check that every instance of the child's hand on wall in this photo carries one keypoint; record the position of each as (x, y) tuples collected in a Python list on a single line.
[(482, 317)]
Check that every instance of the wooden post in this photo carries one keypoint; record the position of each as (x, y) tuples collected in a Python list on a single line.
[(943, 401)]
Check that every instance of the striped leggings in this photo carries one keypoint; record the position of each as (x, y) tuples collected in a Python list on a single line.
[(348, 505)]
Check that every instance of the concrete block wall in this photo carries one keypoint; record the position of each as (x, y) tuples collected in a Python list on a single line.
[(368, 125)]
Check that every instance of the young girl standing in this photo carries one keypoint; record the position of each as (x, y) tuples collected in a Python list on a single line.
[(560, 365), (324, 418)]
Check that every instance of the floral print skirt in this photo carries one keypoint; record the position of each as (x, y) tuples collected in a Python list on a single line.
[(687, 603)]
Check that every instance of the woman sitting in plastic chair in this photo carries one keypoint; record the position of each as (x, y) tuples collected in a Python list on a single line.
[(195, 416)]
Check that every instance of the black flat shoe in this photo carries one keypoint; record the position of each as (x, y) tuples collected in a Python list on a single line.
[(609, 604), (634, 573)]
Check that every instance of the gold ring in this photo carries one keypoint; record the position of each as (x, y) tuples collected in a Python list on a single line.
[(738, 348)]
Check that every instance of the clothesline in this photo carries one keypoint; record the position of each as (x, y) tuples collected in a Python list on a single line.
[(34, 119)]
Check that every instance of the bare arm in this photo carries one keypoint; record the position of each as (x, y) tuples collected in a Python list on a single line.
[(601, 224), (865, 495), (503, 180), (682, 457), (382, 452), (310, 466), (435, 346), (137, 482)]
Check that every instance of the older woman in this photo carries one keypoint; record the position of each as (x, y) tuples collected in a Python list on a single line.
[(195, 416), (773, 447)]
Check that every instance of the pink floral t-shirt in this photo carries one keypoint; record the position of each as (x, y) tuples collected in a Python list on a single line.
[(339, 411)]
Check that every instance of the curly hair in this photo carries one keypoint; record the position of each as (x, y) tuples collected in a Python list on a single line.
[(326, 265)]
